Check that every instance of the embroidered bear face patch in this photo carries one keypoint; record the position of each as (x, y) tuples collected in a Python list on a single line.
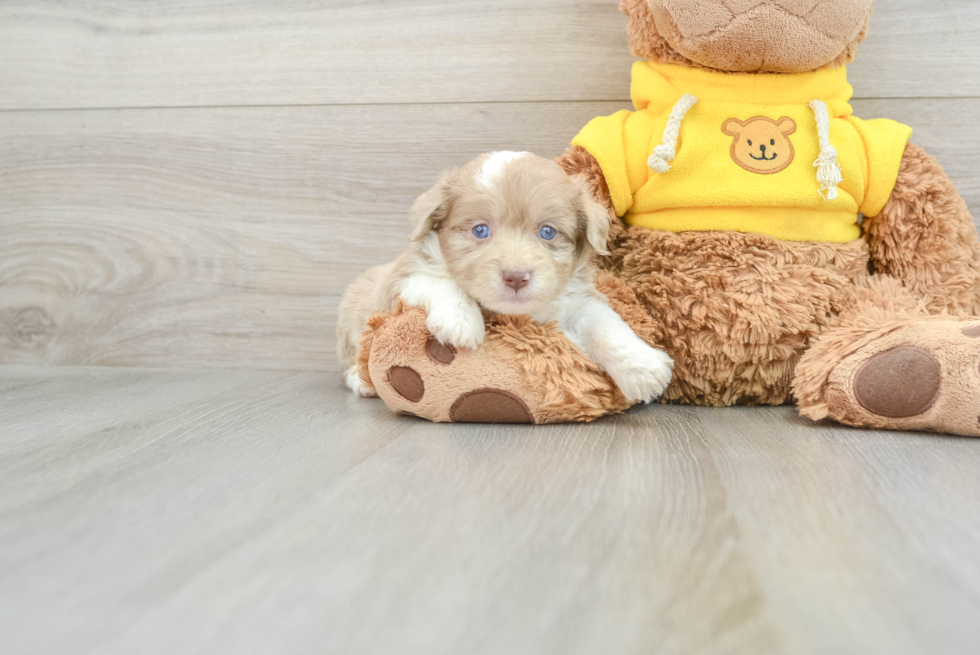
[(761, 145)]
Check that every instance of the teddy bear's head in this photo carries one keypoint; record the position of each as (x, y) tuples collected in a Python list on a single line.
[(765, 36)]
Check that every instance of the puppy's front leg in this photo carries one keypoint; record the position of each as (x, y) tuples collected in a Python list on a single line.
[(642, 373), (453, 317)]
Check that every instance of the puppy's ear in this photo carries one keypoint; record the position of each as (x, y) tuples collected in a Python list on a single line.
[(593, 219), (427, 210)]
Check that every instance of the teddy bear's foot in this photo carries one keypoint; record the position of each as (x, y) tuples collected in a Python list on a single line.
[(924, 375), (522, 373)]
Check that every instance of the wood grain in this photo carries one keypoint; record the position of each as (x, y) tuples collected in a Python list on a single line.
[(225, 237), (230, 511), (168, 53)]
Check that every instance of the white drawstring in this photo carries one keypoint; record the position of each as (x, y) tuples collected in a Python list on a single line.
[(666, 151), (828, 170)]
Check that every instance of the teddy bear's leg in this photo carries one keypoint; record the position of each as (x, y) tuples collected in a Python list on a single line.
[(925, 237), (415, 374), (523, 372), (888, 364)]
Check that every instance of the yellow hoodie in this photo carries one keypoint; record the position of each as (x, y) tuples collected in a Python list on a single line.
[(746, 153)]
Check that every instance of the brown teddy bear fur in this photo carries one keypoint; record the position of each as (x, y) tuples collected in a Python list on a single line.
[(737, 311), (647, 41), (750, 319)]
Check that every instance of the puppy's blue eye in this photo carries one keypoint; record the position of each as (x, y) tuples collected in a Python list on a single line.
[(750, 141), (481, 231), (547, 233)]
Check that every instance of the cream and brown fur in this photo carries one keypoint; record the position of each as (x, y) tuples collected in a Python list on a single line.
[(509, 268)]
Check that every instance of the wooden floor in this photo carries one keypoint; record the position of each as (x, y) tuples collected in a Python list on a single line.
[(186, 188), (266, 512)]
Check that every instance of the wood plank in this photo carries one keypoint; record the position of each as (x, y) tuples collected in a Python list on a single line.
[(835, 495), (247, 52), (225, 237), (275, 512)]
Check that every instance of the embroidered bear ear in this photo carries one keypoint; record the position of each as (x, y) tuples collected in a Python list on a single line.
[(786, 125), (734, 127)]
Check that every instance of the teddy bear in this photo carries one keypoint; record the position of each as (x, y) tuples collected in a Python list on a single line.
[(779, 248)]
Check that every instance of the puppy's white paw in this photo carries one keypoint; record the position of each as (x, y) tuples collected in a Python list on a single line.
[(356, 384), (459, 326), (642, 373)]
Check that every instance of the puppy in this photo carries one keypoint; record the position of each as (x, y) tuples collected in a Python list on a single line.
[(509, 233)]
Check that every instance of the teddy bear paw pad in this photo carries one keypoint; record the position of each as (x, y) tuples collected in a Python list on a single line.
[(407, 383), (899, 383), (440, 353), (973, 331), (490, 406)]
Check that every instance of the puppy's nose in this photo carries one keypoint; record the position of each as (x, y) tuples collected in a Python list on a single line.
[(763, 149), (516, 280)]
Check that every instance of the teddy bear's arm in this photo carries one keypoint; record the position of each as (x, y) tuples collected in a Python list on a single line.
[(926, 237)]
